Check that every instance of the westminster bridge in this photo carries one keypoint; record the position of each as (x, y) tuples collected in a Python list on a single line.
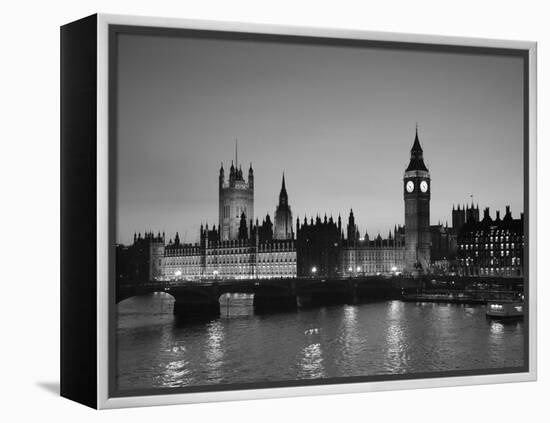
[(201, 298)]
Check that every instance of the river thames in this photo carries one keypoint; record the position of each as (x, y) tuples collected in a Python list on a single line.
[(154, 349)]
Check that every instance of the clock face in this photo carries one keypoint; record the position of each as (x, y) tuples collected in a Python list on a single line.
[(410, 186), (423, 186)]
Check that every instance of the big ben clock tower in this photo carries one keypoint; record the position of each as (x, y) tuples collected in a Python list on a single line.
[(416, 192)]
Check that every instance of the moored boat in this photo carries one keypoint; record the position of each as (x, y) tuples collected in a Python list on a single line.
[(504, 309)]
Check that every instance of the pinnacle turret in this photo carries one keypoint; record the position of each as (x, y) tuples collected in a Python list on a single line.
[(417, 156)]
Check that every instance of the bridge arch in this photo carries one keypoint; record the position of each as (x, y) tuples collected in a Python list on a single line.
[(122, 295)]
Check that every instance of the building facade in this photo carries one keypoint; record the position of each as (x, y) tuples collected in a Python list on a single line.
[(318, 244), (236, 196), (373, 257), (258, 257), (238, 248), (491, 247), (416, 193), (241, 247), (442, 249), (461, 215), (360, 256), (142, 261), (324, 251)]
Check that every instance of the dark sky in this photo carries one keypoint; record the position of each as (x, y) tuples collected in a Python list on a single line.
[(339, 121)]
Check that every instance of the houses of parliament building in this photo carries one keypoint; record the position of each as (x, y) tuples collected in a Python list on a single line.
[(242, 247)]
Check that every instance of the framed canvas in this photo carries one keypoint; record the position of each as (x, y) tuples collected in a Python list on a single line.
[(254, 211)]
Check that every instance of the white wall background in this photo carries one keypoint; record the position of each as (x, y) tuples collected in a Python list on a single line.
[(29, 175)]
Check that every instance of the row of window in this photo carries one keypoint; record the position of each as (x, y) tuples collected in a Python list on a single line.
[(491, 270), (503, 246), (187, 262), (182, 252), (506, 238), (515, 261), (241, 258), (497, 232), (245, 249), (373, 256), (491, 253), (384, 267), (232, 271)]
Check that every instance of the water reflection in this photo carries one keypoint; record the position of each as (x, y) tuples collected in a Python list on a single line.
[(350, 316), (497, 328), (496, 335), (311, 365), (354, 340), (395, 310), (176, 373), (349, 338), (396, 339), (175, 368), (233, 305), (215, 350), (444, 311)]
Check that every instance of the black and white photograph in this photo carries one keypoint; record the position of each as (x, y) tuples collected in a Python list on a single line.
[(294, 211), (277, 211)]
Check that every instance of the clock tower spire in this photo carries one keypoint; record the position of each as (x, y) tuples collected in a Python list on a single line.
[(416, 193)]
